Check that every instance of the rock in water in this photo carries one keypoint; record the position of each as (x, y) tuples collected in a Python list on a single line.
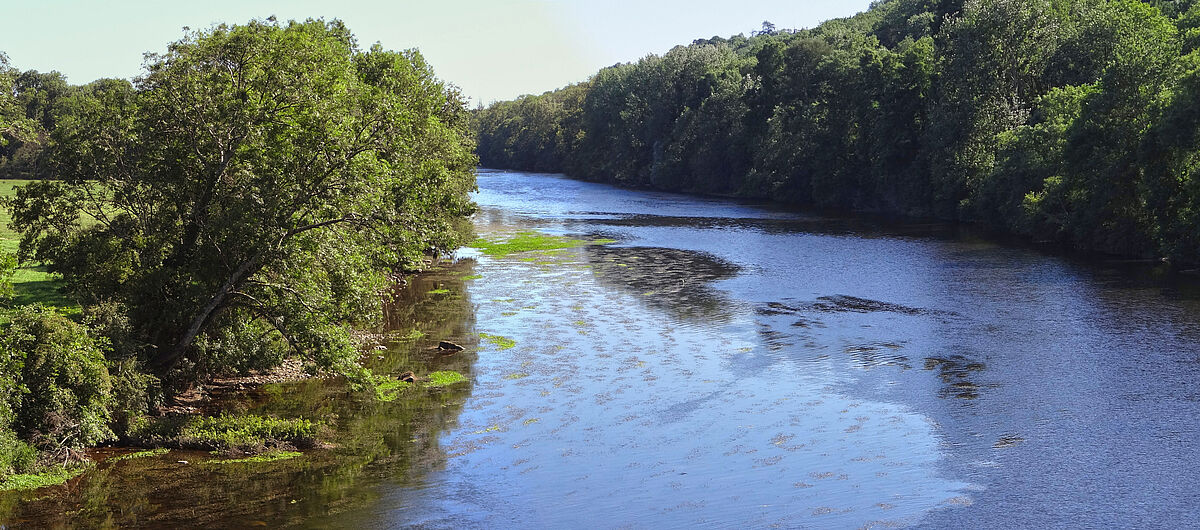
[(449, 346)]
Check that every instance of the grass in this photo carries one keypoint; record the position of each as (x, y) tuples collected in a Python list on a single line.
[(32, 283), (529, 242), (33, 481), (498, 341)]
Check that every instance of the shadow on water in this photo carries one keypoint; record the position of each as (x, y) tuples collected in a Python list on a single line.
[(373, 442), (672, 280)]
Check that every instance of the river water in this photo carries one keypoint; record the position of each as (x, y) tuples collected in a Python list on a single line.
[(710, 363)]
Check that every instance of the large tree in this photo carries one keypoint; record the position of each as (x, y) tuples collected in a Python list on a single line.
[(248, 196)]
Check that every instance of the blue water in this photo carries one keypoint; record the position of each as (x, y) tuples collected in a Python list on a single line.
[(817, 373)]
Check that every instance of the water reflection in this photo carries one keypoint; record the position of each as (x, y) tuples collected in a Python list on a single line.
[(727, 365), (677, 281), (398, 441)]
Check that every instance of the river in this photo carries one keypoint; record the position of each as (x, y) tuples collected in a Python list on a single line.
[(712, 363)]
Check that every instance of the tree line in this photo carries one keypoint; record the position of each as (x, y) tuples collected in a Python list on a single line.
[(249, 198), (1076, 121)]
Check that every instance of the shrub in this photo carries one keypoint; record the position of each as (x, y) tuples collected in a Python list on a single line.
[(55, 389)]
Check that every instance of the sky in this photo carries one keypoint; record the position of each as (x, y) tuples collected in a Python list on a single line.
[(491, 49)]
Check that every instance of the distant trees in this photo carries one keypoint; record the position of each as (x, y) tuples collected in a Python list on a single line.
[(1061, 119)]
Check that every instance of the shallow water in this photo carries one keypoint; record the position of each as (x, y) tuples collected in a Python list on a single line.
[(724, 364)]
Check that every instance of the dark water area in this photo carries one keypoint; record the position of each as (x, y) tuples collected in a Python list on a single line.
[(725, 365)]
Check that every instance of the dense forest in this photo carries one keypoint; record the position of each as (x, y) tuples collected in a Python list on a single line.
[(248, 199), (1075, 121)]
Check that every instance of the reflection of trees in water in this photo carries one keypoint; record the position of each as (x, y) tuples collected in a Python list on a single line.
[(859, 226), (373, 441), (676, 281)]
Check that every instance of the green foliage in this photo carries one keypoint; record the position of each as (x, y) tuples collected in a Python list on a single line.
[(55, 388), (16, 456), (8, 268), (32, 481), (245, 433), (247, 198), (1067, 120)]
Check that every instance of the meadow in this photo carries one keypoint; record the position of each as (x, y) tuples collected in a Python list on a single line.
[(33, 282)]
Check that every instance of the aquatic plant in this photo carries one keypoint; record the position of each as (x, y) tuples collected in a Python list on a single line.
[(140, 454), (247, 433), (444, 378), (498, 341), (273, 456), (32, 481)]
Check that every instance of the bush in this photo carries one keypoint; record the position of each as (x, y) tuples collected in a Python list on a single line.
[(8, 267), (55, 388), (15, 456)]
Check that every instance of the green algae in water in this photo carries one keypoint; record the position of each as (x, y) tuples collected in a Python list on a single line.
[(472, 277), (267, 457), (444, 378), (498, 341), (33, 481), (524, 242), (517, 375), (141, 454), (387, 389), (531, 241), (440, 291)]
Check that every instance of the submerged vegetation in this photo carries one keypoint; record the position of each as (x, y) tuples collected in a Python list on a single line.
[(1065, 120), (273, 456)]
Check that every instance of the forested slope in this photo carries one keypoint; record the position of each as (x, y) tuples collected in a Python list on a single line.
[(1068, 120)]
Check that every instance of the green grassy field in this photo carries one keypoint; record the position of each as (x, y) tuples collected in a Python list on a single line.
[(32, 282)]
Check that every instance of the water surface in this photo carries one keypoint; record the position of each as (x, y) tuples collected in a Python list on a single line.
[(725, 364)]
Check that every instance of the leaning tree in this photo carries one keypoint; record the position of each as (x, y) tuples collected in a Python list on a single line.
[(248, 196)]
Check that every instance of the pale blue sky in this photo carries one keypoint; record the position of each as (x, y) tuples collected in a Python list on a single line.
[(492, 49)]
